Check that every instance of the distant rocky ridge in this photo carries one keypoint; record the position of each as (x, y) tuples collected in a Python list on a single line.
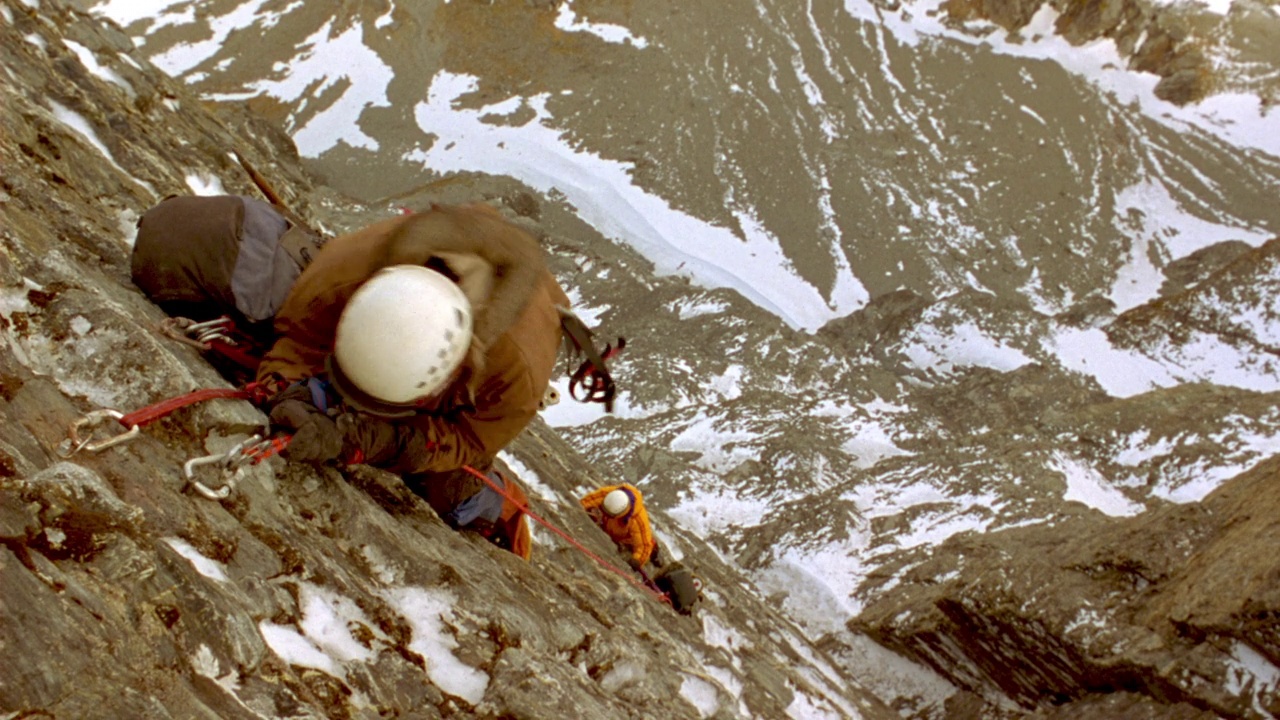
[(1178, 605), (1186, 75), (1176, 610), (1195, 53)]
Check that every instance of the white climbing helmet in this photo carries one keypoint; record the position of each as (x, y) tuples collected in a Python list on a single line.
[(401, 336), (617, 502)]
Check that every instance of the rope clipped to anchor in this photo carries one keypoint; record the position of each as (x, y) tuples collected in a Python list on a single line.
[(232, 462)]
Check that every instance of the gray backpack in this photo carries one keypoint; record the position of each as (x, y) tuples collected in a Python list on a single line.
[(680, 585), (203, 257)]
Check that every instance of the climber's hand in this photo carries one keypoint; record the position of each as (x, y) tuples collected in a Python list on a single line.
[(316, 438)]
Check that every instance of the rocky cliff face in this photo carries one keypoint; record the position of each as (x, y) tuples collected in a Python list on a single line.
[(1174, 610), (1172, 613), (1096, 583), (125, 593)]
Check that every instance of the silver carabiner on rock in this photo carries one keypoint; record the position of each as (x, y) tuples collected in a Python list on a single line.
[(198, 334), (232, 462), (73, 444)]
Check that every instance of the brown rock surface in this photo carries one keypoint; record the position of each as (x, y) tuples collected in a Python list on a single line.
[(1177, 605)]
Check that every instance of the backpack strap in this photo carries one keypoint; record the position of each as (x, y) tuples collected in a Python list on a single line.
[(300, 243), (592, 376)]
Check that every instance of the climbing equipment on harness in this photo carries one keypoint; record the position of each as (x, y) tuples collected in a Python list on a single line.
[(198, 334), (232, 351), (592, 378)]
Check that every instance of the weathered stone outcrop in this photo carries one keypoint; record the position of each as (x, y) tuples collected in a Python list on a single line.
[(1154, 41), (124, 593), (1214, 306), (1178, 605)]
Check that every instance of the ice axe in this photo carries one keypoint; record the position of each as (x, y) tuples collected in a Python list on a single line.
[(267, 191)]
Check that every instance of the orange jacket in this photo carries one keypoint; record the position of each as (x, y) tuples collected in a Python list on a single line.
[(630, 531), (516, 340)]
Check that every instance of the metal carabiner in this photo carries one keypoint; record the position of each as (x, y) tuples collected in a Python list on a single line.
[(174, 328), (216, 333), (215, 324), (198, 334), (73, 444), (232, 463), (261, 450), (210, 330)]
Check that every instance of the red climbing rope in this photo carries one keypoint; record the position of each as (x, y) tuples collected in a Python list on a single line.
[(256, 393), (661, 597), (252, 391), (151, 413)]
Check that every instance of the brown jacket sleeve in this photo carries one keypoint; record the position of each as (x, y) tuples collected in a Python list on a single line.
[(297, 353)]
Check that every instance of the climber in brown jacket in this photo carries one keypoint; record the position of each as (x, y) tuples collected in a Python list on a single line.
[(420, 344)]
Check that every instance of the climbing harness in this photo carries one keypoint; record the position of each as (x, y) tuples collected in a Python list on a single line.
[(652, 590), (233, 462)]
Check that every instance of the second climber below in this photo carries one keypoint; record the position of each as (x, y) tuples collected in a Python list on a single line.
[(619, 511)]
